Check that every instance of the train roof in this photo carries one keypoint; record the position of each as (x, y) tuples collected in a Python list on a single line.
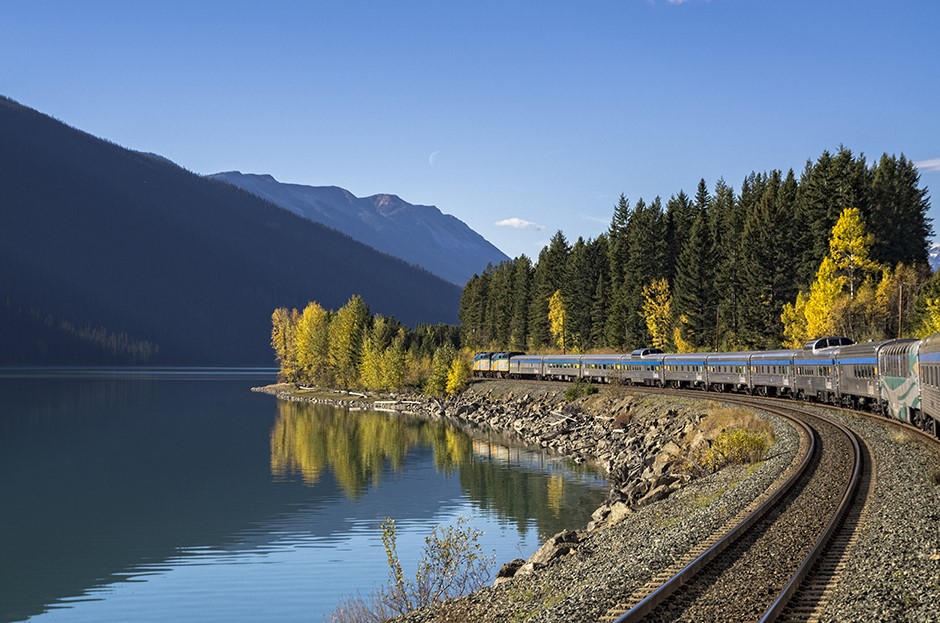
[(643, 352), (829, 341)]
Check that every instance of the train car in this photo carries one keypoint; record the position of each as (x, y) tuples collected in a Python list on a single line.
[(772, 372), (728, 371), (562, 367), (898, 380), (856, 368), (526, 367), (685, 370), (481, 364), (499, 366), (814, 375), (928, 364), (644, 366), (602, 368)]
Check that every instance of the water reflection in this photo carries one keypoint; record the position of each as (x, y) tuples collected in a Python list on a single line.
[(122, 497), (519, 485)]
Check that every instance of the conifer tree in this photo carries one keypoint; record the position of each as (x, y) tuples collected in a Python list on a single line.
[(521, 299), (578, 294), (897, 214), (694, 289), (617, 253), (548, 277), (678, 219), (727, 225)]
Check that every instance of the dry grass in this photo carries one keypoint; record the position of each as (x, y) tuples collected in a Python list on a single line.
[(728, 436)]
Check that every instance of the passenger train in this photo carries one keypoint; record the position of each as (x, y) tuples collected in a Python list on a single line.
[(898, 378)]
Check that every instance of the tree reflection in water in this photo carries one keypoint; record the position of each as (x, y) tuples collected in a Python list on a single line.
[(518, 484)]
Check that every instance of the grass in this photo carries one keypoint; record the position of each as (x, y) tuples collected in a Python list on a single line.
[(732, 436)]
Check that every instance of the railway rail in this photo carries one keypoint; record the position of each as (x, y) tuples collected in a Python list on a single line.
[(755, 568)]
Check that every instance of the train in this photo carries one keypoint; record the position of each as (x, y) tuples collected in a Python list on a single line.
[(899, 378)]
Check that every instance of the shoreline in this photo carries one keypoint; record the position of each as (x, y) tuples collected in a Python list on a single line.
[(638, 442)]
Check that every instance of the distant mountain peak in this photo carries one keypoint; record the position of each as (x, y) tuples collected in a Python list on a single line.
[(422, 235)]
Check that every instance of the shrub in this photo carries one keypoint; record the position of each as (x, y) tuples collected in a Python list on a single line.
[(730, 436), (578, 389), (453, 564)]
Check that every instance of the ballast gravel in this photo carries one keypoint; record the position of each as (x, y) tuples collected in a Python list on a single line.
[(893, 571)]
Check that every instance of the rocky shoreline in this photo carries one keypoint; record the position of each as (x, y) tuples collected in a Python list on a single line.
[(641, 442)]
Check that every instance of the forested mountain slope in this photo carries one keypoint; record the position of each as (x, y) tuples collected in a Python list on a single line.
[(109, 255)]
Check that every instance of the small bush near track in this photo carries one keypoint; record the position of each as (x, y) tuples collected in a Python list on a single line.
[(578, 389), (728, 436)]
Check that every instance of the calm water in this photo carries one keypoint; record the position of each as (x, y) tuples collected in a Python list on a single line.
[(179, 495)]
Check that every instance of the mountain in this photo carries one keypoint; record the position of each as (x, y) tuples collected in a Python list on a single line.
[(934, 256), (109, 255), (440, 243)]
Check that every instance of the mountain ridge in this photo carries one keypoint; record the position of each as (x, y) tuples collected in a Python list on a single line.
[(419, 234)]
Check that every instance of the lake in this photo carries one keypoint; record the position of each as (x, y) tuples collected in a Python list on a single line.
[(179, 495)]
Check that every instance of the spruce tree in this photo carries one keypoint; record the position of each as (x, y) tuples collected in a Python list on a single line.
[(618, 251), (548, 277), (521, 298), (694, 290)]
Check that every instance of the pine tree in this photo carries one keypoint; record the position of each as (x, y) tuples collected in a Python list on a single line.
[(727, 227), (694, 285), (618, 252), (548, 277), (578, 291), (680, 214), (521, 299), (897, 214)]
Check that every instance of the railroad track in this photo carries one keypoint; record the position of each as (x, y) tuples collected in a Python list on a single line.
[(776, 560)]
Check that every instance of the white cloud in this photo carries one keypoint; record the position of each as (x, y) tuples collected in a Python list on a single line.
[(928, 165), (518, 223)]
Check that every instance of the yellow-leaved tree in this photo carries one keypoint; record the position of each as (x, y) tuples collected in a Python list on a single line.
[(833, 304), (850, 249), (458, 377), (930, 322), (657, 311), (556, 319)]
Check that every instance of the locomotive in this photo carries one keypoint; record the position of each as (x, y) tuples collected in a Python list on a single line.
[(898, 378)]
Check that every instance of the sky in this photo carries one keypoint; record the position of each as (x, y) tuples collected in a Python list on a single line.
[(519, 118)]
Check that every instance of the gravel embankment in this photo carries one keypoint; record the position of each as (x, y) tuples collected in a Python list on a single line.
[(893, 571), (606, 564)]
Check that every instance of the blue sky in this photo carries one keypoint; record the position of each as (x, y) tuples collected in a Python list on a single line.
[(514, 112)]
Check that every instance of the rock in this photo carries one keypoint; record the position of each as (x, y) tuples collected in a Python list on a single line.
[(508, 570), (654, 495), (561, 544)]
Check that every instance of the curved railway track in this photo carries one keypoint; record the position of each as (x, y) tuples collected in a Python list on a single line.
[(771, 561)]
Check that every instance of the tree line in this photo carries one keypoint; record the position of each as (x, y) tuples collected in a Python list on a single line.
[(353, 348), (725, 269)]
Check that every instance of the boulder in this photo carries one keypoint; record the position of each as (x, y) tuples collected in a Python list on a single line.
[(508, 570)]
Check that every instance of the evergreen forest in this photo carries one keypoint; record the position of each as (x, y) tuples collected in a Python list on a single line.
[(841, 248)]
